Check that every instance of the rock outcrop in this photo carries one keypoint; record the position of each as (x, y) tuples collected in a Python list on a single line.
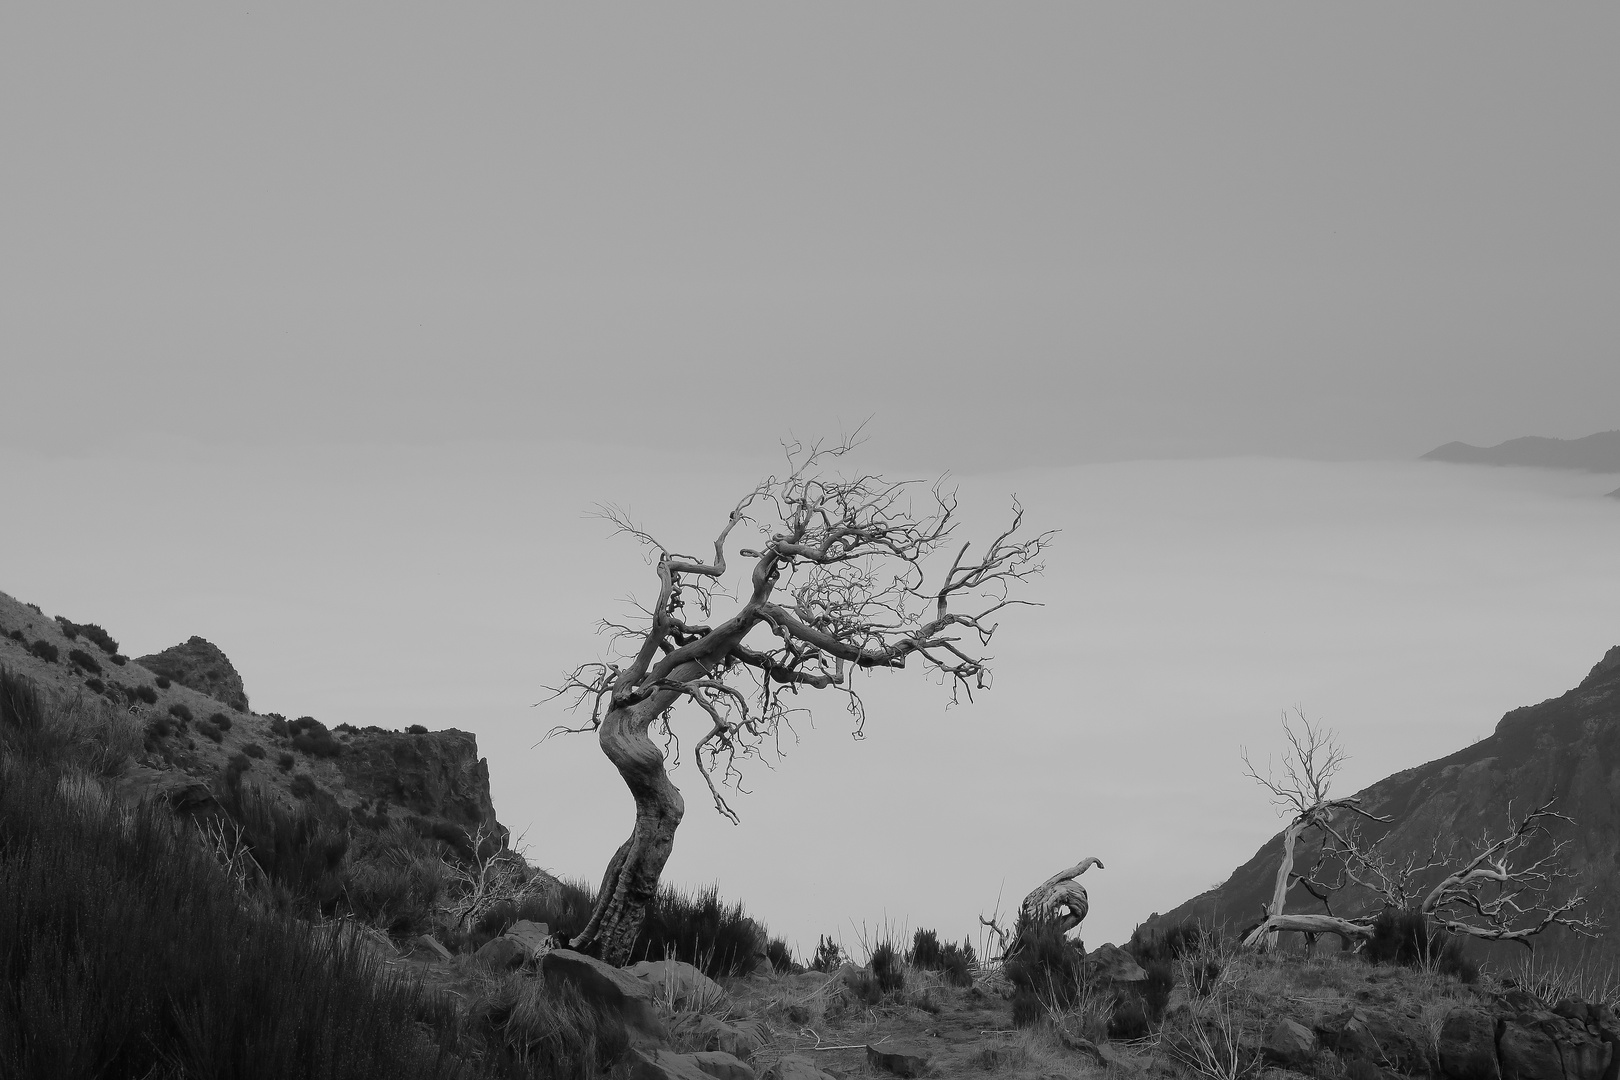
[(201, 665), (437, 776), (1566, 748)]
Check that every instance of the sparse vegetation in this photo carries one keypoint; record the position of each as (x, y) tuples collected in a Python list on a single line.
[(179, 711)]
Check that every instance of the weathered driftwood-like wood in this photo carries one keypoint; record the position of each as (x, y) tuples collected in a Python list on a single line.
[(1060, 900)]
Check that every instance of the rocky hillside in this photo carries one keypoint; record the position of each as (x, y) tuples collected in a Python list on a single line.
[(1594, 453), (200, 732), (1566, 748)]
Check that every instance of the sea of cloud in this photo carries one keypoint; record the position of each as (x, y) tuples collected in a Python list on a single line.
[(1186, 606)]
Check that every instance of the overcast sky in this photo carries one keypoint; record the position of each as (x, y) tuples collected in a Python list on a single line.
[(322, 327), (1033, 234)]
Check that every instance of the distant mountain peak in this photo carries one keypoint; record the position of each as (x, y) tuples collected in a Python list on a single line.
[(1593, 453)]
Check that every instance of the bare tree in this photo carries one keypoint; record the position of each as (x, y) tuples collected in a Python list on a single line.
[(1494, 889), (1303, 789), (845, 577)]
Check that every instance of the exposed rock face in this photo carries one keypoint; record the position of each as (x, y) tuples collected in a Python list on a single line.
[(1594, 453), (200, 665), (1566, 748), (438, 776)]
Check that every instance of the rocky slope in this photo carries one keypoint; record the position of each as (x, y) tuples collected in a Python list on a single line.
[(193, 707), (1593, 453), (1566, 748), (201, 665)]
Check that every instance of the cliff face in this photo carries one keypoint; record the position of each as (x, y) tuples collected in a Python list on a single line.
[(436, 776), (1566, 748)]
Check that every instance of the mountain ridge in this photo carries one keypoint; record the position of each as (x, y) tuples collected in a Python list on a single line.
[(1592, 453), (1566, 749)]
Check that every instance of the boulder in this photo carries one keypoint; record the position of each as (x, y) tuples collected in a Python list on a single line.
[(1289, 1043), (659, 1064), (500, 954), (1531, 1044), (1527, 1052), (897, 1058), (534, 938), (796, 1067), (721, 1065), (1380, 1037), (1467, 1046), (702, 1032), (1113, 964), (428, 947), (612, 990), (679, 983)]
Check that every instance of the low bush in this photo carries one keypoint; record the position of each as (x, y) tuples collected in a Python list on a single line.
[(537, 1030), (44, 650), (416, 729), (302, 787), (829, 955), (179, 711), (393, 879), (309, 736), (159, 727), (118, 659), (146, 694), (565, 908), (18, 635), (210, 732), (81, 659), (888, 968), (925, 952), (221, 721), (69, 631), (294, 848), (781, 957), (235, 767), (96, 685), (285, 762), (717, 938), (278, 726), (163, 682), (956, 962), (253, 750), (124, 952), (1161, 980), (1407, 938), (1045, 973), (103, 640)]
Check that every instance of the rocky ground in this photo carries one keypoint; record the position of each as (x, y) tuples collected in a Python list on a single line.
[(1273, 1017)]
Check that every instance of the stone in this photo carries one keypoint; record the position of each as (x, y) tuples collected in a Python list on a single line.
[(428, 947), (612, 990), (660, 1064), (796, 1067), (1114, 964), (897, 1058), (1467, 1046), (1527, 1052), (1289, 1043), (701, 1031), (500, 954), (534, 938), (721, 1065), (679, 984), (1378, 1036)]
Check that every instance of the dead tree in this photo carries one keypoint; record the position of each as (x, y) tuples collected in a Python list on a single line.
[(1487, 889), (1304, 790), (1059, 902), (848, 574)]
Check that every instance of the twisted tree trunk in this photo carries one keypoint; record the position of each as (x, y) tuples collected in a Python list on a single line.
[(631, 882)]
